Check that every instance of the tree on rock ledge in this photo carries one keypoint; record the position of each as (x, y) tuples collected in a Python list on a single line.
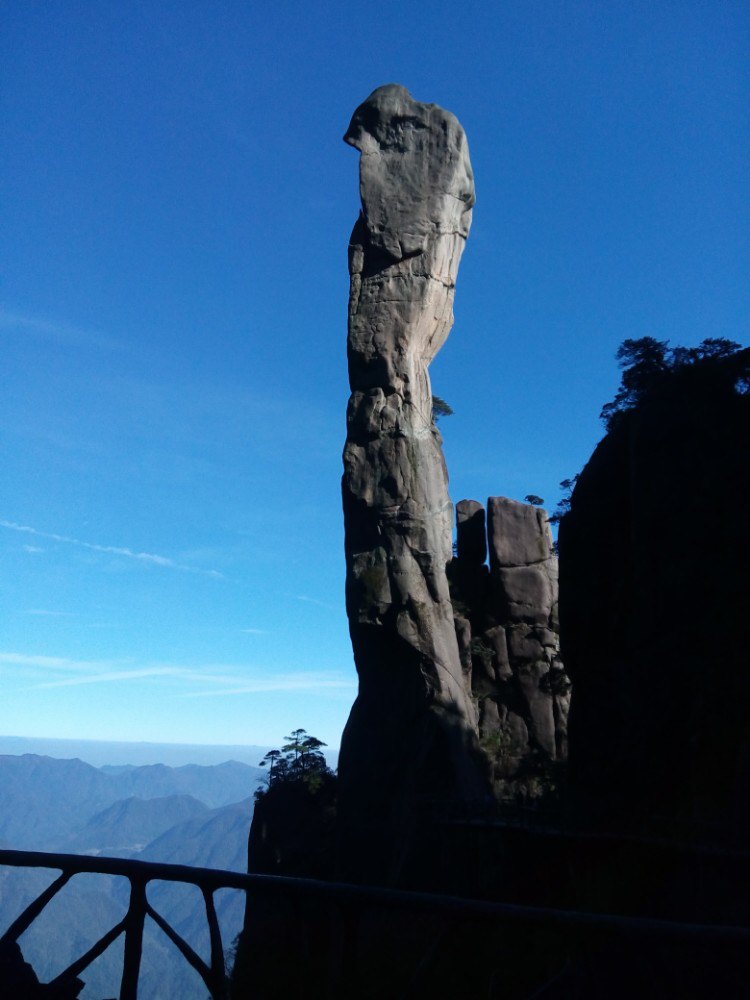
[(299, 760)]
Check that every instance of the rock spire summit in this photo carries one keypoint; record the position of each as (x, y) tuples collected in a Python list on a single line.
[(411, 736)]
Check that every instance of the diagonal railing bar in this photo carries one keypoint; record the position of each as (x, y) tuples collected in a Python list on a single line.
[(428, 956), (32, 911), (134, 921), (94, 952), (190, 956), (218, 972)]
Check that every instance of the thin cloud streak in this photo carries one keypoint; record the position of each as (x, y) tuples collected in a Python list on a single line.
[(63, 333), (277, 684), (104, 670), (115, 550), (51, 614), (224, 679), (53, 662), (320, 604), (109, 676)]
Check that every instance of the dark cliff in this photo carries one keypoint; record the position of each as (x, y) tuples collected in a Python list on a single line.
[(284, 947), (653, 602)]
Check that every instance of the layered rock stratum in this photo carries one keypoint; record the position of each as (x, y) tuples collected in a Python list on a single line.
[(412, 734)]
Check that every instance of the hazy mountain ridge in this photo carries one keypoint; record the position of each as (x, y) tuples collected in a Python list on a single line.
[(128, 825), (215, 840), (44, 802), (68, 805), (216, 785)]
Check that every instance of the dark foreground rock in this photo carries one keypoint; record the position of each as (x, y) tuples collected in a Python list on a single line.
[(284, 948), (653, 600), (18, 981)]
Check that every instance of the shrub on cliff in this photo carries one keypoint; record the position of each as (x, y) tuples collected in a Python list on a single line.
[(440, 408)]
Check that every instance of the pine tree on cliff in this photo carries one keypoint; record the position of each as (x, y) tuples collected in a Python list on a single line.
[(651, 367), (300, 759)]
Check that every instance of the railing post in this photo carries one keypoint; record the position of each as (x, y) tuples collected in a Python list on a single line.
[(218, 969), (134, 920)]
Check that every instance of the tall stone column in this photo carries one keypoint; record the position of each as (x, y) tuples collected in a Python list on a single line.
[(410, 740)]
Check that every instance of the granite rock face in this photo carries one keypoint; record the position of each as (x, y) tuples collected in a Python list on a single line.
[(506, 623), (411, 736)]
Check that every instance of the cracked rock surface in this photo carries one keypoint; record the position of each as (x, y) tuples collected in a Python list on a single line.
[(411, 736)]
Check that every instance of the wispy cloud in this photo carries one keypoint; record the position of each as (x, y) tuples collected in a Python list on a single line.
[(32, 548), (50, 614), (216, 680), (254, 631), (49, 329), (114, 550), (51, 662), (108, 676), (320, 604), (281, 682)]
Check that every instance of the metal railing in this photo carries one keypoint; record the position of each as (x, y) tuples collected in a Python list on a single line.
[(139, 874), (353, 900)]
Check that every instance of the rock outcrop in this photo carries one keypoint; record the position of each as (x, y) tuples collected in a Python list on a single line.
[(411, 736), (653, 599), (506, 623), (285, 947)]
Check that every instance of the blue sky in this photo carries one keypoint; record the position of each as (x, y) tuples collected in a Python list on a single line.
[(176, 203)]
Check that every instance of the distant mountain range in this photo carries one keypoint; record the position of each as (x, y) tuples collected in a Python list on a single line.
[(129, 825), (194, 814), (44, 801), (101, 752)]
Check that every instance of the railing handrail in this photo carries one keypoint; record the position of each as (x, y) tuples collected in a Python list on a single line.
[(211, 879), (142, 871), (605, 838)]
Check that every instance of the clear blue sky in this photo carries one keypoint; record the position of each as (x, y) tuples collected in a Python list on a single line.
[(176, 203)]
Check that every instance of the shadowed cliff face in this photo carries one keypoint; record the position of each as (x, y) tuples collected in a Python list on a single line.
[(411, 735), (653, 605)]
